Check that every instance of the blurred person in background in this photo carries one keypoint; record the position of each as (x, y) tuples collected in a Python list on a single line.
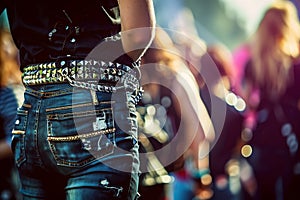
[(223, 156), (10, 76), (270, 88), (216, 91), (170, 108), (190, 183), (12, 66)]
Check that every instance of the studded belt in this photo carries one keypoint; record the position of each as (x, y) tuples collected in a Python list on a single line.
[(88, 74), (56, 72)]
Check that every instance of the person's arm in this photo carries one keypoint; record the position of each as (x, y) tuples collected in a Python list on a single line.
[(137, 23), (197, 123)]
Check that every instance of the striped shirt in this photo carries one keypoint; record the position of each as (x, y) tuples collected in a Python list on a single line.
[(8, 111)]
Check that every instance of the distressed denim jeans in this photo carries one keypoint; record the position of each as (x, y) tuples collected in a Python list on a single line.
[(75, 144)]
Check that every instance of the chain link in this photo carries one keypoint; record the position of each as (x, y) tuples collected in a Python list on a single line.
[(129, 82)]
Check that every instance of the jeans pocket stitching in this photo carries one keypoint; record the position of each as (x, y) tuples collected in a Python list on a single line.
[(82, 155)]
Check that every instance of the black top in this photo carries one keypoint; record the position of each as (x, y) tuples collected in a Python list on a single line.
[(272, 114), (46, 31), (224, 148)]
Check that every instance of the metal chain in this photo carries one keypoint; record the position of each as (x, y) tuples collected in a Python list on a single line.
[(129, 82), (91, 86)]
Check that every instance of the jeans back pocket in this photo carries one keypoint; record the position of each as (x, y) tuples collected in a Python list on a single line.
[(78, 137)]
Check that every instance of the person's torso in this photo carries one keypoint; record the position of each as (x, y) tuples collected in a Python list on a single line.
[(273, 114), (50, 30)]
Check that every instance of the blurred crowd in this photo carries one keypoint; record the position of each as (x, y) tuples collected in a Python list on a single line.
[(11, 91), (250, 146)]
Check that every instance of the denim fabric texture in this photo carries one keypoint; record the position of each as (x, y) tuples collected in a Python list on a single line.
[(71, 143)]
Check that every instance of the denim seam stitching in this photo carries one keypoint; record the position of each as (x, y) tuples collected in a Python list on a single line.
[(81, 136)]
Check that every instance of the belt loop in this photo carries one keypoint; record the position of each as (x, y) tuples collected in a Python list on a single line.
[(94, 97), (136, 65)]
